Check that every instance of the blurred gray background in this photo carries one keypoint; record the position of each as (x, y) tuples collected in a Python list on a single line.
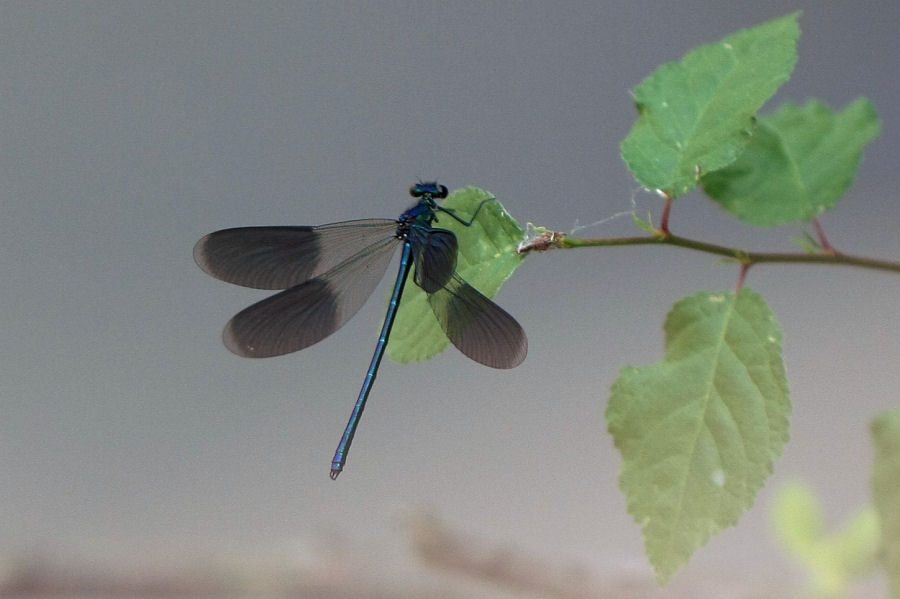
[(128, 130)]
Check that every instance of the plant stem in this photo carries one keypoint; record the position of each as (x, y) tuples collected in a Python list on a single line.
[(823, 241), (664, 225), (747, 259)]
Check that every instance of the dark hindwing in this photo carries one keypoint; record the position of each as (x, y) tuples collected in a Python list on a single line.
[(307, 313), (478, 327), (434, 255)]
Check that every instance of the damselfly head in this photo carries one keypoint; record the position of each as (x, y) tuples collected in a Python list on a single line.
[(428, 188)]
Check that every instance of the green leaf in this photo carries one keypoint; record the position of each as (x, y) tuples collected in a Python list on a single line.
[(699, 432), (799, 163), (646, 225), (487, 257), (808, 243), (850, 553), (886, 489), (699, 113), (833, 560), (798, 519)]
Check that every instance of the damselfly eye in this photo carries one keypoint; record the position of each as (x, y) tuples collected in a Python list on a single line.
[(430, 188)]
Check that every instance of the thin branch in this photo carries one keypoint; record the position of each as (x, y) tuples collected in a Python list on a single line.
[(823, 241), (742, 277), (554, 240), (667, 209)]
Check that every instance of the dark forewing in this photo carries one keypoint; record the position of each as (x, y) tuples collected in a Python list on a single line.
[(282, 257), (307, 313), (478, 327), (434, 252)]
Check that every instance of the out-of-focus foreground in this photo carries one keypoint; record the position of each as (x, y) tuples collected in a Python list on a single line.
[(437, 562)]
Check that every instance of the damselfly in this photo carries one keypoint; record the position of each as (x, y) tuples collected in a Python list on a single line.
[(328, 272)]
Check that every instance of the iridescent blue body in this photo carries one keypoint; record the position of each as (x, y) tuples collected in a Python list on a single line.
[(327, 273)]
